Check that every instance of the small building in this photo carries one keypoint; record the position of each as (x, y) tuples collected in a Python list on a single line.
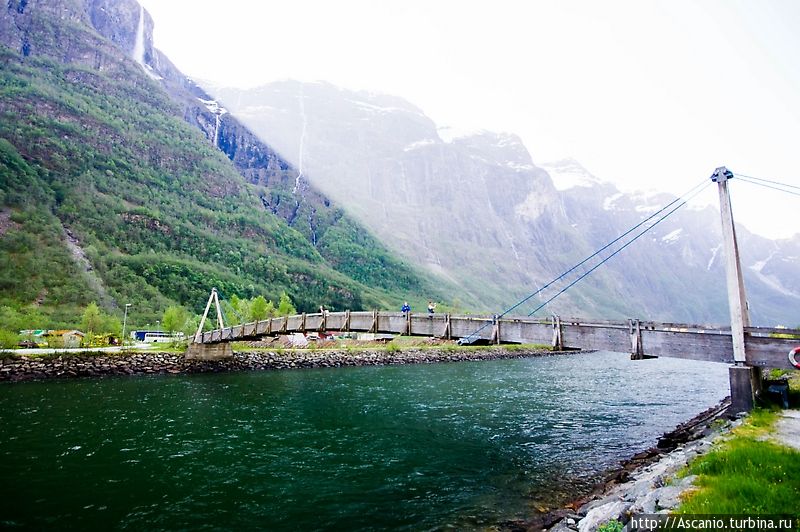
[(64, 338)]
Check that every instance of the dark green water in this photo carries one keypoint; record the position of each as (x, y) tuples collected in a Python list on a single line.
[(396, 447)]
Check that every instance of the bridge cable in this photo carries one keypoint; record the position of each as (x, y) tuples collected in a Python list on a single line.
[(576, 281), (745, 177), (690, 193), (770, 186), (593, 255)]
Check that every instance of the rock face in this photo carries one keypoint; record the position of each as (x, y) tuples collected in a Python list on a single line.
[(449, 206), (24, 27), (478, 211)]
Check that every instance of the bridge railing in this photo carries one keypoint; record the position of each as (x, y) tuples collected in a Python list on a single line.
[(766, 347)]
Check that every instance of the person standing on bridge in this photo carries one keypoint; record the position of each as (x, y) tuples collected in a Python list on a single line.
[(405, 309), (431, 307)]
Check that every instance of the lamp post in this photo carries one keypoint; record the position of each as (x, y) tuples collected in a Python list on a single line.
[(124, 323)]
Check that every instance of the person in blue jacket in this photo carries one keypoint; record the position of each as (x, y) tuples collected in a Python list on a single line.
[(405, 309)]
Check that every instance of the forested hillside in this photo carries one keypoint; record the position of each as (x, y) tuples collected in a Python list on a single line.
[(108, 194)]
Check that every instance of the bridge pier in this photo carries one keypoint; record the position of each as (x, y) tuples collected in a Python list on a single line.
[(218, 351), (745, 384)]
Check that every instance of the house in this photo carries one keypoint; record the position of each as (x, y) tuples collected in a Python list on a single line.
[(64, 338)]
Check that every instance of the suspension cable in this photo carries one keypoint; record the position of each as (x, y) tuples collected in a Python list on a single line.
[(634, 239), (688, 195), (766, 181), (765, 185), (593, 255)]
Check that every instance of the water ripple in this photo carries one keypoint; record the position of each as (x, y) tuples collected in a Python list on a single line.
[(402, 447)]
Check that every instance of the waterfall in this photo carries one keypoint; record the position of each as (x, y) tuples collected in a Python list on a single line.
[(302, 140), (217, 110), (138, 46), (218, 119)]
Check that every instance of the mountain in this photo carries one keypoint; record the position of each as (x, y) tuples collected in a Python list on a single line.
[(122, 181), (478, 211)]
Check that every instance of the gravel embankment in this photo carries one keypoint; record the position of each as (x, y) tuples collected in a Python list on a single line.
[(22, 368)]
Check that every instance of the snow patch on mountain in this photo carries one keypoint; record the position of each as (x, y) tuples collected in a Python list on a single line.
[(568, 173), (419, 144), (378, 109), (531, 207), (449, 134), (771, 280), (507, 139), (608, 203), (672, 236), (519, 167)]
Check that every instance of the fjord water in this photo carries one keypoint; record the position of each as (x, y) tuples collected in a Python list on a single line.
[(393, 447)]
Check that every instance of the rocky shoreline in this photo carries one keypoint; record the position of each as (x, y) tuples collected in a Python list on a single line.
[(644, 484), (16, 368)]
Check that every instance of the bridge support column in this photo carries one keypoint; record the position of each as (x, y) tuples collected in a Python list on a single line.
[(558, 334), (745, 385), (374, 328), (745, 379), (208, 351), (495, 329)]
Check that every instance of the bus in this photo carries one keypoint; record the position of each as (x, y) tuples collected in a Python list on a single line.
[(156, 337)]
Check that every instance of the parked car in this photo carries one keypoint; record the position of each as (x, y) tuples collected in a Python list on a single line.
[(472, 340)]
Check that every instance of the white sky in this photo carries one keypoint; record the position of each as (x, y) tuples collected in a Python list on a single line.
[(647, 94)]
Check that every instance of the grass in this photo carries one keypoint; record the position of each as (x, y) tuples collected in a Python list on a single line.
[(746, 474)]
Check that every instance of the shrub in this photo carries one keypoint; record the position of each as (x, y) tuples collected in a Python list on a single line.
[(610, 526), (8, 339)]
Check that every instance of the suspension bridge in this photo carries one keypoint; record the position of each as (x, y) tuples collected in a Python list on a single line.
[(749, 349)]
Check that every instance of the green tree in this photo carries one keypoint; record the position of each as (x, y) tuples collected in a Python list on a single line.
[(260, 308), (110, 324), (175, 319), (92, 320), (241, 309), (285, 306)]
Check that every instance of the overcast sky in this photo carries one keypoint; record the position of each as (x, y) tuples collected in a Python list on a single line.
[(645, 94)]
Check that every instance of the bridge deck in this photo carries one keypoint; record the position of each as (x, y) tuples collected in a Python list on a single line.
[(765, 346)]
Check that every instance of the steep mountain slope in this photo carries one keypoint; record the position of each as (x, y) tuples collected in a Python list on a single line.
[(107, 193), (478, 210), (283, 190)]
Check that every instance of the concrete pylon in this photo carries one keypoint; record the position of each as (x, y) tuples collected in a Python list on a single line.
[(218, 351), (745, 380)]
